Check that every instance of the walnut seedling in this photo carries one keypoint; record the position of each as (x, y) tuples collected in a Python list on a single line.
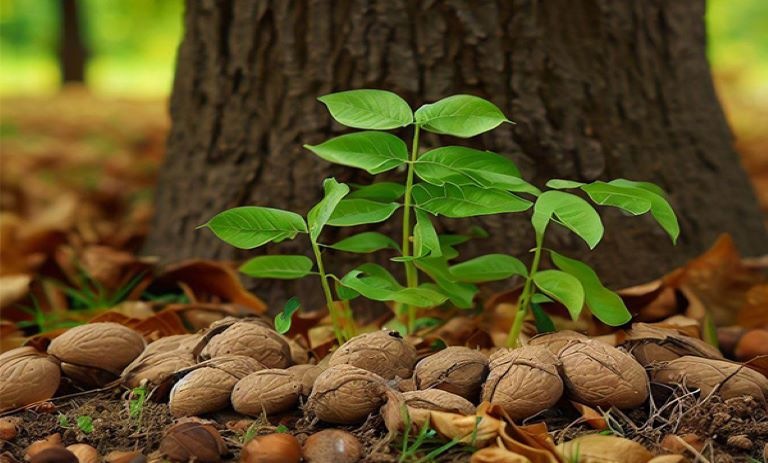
[(523, 381), (600, 375), (458, 370), (27, 376), (267, 391), (385, 353), (344, 394), (251, 339)]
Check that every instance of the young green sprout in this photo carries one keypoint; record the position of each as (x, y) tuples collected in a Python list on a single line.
[(448, 181)]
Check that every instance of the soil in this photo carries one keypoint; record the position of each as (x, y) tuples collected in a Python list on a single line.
[(733, 430)]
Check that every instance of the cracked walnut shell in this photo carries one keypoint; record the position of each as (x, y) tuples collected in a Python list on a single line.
[(251, 339), (523, 381), (458, 370), (385, 353)]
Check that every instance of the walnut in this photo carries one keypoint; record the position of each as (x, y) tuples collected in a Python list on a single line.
[(731, 379), (96, 353), (600, 375), (162, 358), (345, 394), (251, 339), (458, 370), (555, 341), (523, 381), (208, 388), (267, 391), (27, 376), (306, 374), (299, 353), (385, 353), (649, 344)]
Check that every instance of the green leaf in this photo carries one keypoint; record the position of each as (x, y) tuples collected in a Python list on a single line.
[(539, 298), (466, 166), (378, 288), (466, 201), (365, 242), (559, 184), (283, 319), (624, 198), (460, 294), (448, 245), (606, 305), (249, 227), (491, 267), (570, 211), (660, 208), (544, 324), (344, 293), (460, 115), (278, 267), (85, 424), (374, 152), (383, 192), (562, 287), (322, 212), (352, 212), (425, 240), (368, 109)]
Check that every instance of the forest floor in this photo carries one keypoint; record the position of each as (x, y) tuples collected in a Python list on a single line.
[(77, 178)]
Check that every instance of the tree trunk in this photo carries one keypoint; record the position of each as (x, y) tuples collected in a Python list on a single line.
[(72, 51), (599, 90)]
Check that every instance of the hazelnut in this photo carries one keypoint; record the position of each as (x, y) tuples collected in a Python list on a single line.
[(83, 348), (9, 427), (458, 370), (271, 448), (306, 374), (125, 456), (600, 375), (731, 379), (54, 440), (161, 359), (84, 453), (649, 344), (523, 381), (266, 391), (385, 353), (193, 441), (332, 446), (344, 394), (753, 344), (27, 376), (251, 339), (208, 389)]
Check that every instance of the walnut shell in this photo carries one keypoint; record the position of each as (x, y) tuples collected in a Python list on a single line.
[(161, 359), (345, 394), (555, 341), (299, 353), (385, 353), (733, 379), (106, 346), (27, 376), (649, 344), (523, 381), (251, 339), (267, 391), (306, 374), (208, 388), (458, 370), (600, 375)]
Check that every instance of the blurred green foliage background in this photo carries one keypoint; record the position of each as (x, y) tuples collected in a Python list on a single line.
[(133, 44)]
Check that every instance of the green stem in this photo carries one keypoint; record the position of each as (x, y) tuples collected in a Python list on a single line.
[(338, 329), (513, 339), (411, 276)]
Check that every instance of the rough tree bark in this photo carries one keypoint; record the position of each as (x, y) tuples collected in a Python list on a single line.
[(72, 52), (599, 89)]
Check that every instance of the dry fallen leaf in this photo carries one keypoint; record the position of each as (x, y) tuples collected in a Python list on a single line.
[(595, 448)]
